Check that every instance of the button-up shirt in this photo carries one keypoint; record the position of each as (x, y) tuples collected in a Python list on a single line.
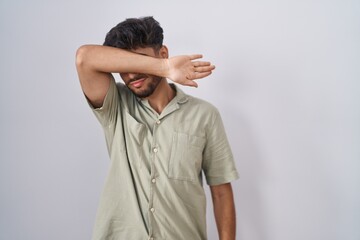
[(154, 187)]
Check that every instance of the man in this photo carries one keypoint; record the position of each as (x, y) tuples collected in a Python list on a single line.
[(159, 139)]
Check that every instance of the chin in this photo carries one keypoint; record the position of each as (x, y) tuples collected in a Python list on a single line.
[(147, 89), (142, 92)]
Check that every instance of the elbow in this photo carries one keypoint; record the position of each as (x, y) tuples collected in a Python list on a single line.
[(80, 58)]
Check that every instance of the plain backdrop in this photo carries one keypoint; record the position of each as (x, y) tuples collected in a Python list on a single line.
[(286, 84)]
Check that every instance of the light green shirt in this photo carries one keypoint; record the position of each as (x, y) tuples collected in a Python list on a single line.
[(154, 186)]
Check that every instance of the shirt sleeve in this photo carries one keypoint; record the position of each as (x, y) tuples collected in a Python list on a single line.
[(218, 162), (107, 113)]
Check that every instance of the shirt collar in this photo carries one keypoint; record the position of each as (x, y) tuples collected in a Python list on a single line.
[(179, 99), (180, 96)]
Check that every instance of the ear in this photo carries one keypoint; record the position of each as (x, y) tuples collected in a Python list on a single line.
[(164, 52)]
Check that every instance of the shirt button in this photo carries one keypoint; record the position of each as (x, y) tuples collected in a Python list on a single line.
[(152, 209), (153, 180), (158, 122), (155, 150)]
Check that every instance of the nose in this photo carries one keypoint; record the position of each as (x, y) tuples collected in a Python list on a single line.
[(131, 75), (128, 76)]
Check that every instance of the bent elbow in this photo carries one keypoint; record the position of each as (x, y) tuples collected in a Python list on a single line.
[(80, 58)]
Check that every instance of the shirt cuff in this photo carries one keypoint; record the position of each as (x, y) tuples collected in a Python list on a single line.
[(212, 181)]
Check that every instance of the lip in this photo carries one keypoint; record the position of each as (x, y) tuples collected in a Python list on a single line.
[(138, 83)]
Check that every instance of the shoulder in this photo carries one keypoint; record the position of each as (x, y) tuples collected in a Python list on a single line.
[(127, 99), (200, 112), (202, 106), (124, 91)]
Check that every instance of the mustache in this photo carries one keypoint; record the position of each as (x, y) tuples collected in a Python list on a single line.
[(137, 77)]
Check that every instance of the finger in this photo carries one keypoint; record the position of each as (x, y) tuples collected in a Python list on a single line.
[(204, 69), (201, 75), (201, 63), (190, 80), (195, 56), (191, 83)]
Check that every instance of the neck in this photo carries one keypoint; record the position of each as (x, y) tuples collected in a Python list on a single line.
[(162, 95)]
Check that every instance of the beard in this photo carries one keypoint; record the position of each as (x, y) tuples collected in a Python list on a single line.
[(145, 91)]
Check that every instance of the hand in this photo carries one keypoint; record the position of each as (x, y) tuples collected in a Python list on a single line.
[(183, 70)]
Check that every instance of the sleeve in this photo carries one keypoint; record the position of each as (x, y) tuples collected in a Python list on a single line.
[(218, 162), (107, 113)]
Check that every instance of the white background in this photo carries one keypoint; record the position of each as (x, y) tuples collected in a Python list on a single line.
[(286, 84)]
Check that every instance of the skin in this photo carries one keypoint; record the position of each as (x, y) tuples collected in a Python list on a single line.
[(224, 210), (141, 70), (96, 63), (163, 93)]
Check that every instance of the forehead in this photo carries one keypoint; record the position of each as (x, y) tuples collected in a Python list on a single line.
[(149, 51)]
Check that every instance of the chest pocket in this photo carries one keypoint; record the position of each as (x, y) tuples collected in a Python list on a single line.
[(186, 157)]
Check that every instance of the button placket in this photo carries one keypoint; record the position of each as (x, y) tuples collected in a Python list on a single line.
[(155, 150)]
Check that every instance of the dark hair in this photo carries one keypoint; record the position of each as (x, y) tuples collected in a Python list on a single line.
[(134, 33)]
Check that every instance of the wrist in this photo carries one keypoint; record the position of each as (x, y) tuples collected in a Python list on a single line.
[(164, 67)]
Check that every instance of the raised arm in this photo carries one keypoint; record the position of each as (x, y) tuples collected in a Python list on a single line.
[(95, 64)]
